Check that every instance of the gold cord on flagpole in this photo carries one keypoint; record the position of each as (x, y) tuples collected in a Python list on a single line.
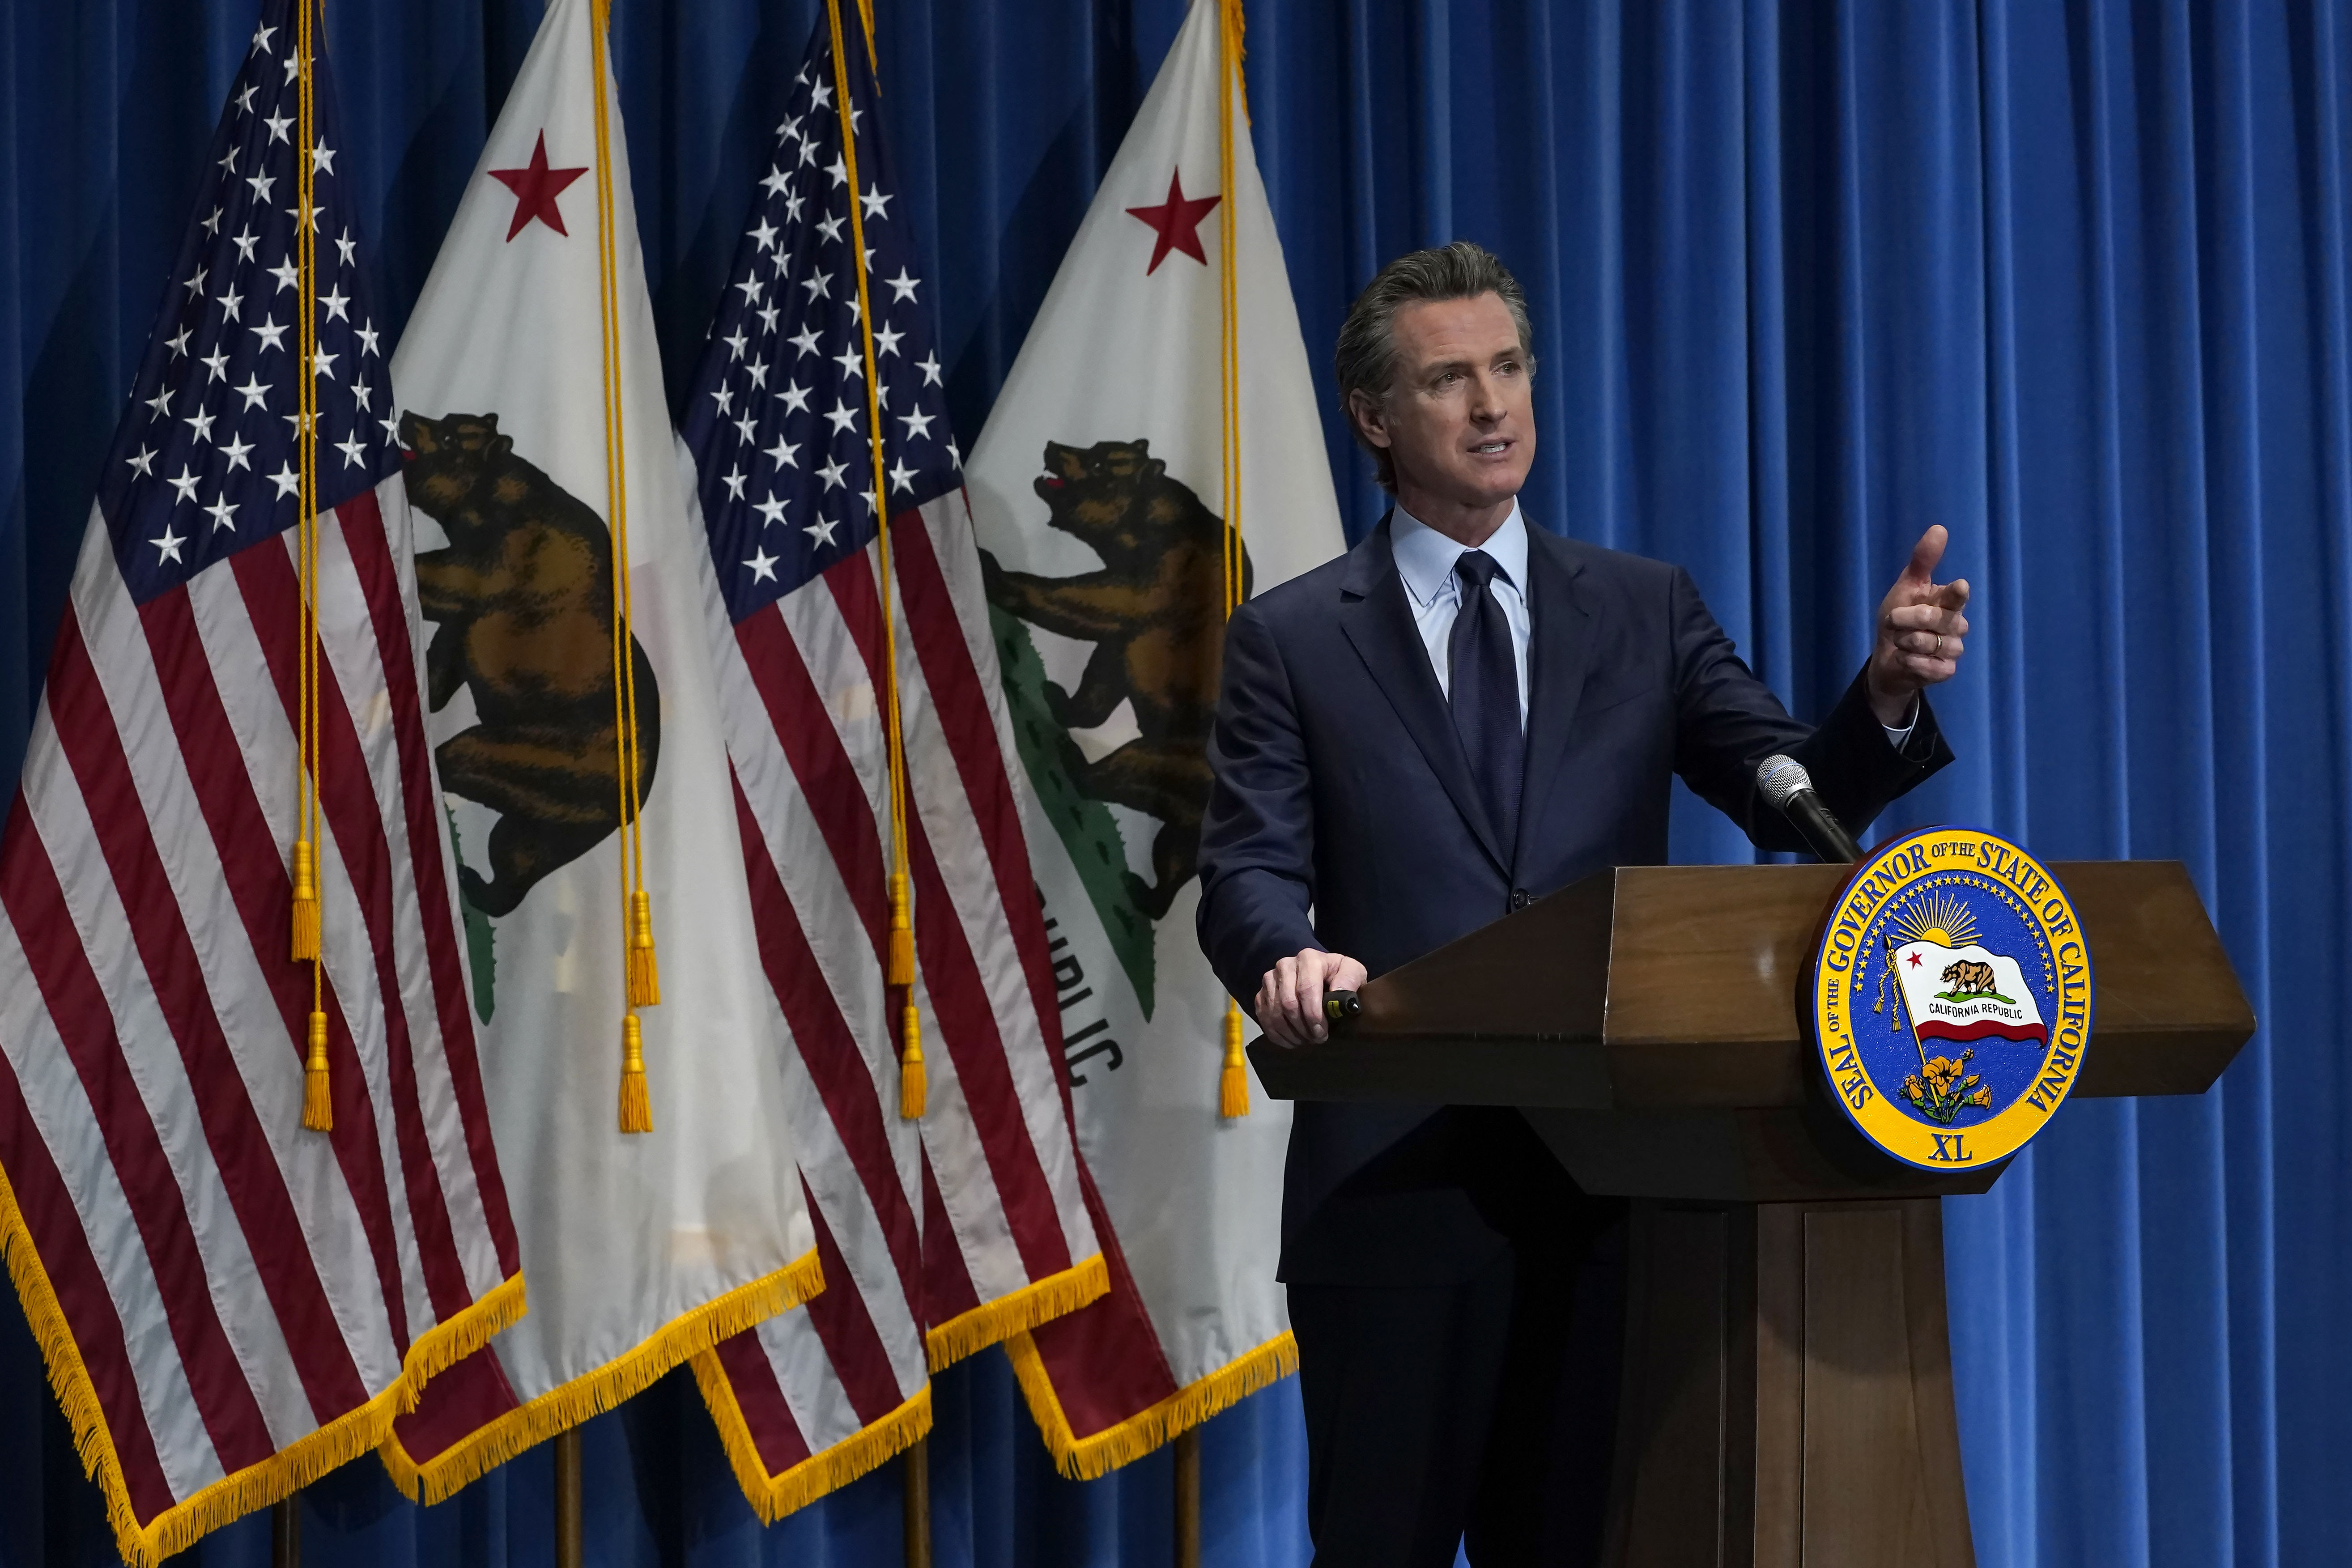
[(874, 59), (318, 1101), (641, 977), (1233, 1080), (899, 970)]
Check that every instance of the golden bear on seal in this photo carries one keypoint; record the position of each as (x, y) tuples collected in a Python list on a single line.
[(1970, 978), (1155, 614), (524, 598)]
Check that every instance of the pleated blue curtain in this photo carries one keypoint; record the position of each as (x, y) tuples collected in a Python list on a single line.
[(2069, 277)]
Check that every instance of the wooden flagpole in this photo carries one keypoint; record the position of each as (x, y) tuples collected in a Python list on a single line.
[(570, 1549), (916, 1473), (285, 1532), (1188, 1497)]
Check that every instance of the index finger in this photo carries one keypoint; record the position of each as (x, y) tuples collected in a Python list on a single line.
[(1953, 594)]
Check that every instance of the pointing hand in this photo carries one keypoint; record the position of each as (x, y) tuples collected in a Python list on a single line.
[(1921, 632)]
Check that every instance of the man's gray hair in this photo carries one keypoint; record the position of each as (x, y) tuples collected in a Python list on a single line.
[(1366, 359)]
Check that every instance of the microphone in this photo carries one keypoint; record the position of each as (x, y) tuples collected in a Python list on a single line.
[(1790, 788)]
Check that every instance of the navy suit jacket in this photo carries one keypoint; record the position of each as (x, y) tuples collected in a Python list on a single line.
[(1342, 817)]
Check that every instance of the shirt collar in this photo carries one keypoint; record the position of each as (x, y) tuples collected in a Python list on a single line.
[(1425, 557)]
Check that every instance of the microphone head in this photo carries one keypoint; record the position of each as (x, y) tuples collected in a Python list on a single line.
[(1782, 779)]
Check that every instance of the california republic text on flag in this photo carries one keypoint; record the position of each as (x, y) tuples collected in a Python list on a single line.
[(946, 1228), (572, 702), (1101, 490), (230, 1302)]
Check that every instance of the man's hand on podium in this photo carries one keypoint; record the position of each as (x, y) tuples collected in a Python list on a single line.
[(1289, 1005), (1920, 628)]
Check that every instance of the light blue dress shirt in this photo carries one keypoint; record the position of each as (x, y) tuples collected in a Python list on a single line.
[(1424, 560)]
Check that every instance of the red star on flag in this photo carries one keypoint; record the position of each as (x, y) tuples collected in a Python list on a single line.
[(1914, 958), (536, 186), (1177, 222)]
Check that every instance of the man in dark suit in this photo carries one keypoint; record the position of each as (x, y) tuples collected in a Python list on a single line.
[(1463, 714)]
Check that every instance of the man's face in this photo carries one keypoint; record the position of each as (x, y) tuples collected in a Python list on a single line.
[(1460, 421)]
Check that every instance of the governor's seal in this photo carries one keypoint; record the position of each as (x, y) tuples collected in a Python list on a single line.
[(1950, 997)]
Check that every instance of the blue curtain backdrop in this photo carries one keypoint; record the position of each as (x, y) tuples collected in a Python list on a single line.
[(2069, 277)]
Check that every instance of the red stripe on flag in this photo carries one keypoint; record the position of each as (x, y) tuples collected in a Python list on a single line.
[(766, 1413), (63, 1248), (1981, 1029), (973, 741), (247, 1168), (370, 550), (829, 783), (459, 1402), (967, 1028), (1105, 1359), (258, 886), (77, 1006), (273, 599), (860, 1360), (835, 1064), (946, 1278), (967, 1018)]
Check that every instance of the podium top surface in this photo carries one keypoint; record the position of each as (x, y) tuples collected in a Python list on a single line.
[(1676, 987)]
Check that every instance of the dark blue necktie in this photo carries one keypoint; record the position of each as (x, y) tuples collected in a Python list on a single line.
[(1485, 695)]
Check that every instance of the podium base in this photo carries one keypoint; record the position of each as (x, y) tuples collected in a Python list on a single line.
[(1787, 1400)]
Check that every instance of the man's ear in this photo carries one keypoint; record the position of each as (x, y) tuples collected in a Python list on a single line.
[(1370, 418)]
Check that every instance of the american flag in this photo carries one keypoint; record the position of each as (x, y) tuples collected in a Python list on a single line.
[(936, 1243), (230, 1304)]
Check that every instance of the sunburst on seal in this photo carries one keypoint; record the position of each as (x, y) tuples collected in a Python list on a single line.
[(1938, 918)]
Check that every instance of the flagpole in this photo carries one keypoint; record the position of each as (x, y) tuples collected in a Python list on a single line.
[(1902, 1007), (1188, 1497), (569, 1552), (915, 1467), (285, 1532)]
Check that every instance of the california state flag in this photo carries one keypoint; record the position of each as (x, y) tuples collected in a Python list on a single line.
[(1958, 995), (540, 455), (1138, 423)]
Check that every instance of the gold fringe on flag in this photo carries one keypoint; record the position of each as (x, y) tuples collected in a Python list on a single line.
[(773, 1497), (618, 1381), (1040, 1301), (1098, 1454), (258, 1485), (898, 966)]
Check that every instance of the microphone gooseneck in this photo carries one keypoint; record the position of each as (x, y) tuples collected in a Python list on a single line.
[(1790, 788)]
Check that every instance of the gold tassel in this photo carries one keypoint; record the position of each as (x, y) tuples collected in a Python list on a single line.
[(318, 1104), (305, 903), (902, 933), (636, 1101), (1232, 1084), (914, 1089), (645, 974)]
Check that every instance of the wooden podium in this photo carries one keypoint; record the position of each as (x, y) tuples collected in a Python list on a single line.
[(1786, 1396)]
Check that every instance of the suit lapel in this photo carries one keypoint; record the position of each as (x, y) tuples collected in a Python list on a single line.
[(1557, 664), (1377, 620)]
